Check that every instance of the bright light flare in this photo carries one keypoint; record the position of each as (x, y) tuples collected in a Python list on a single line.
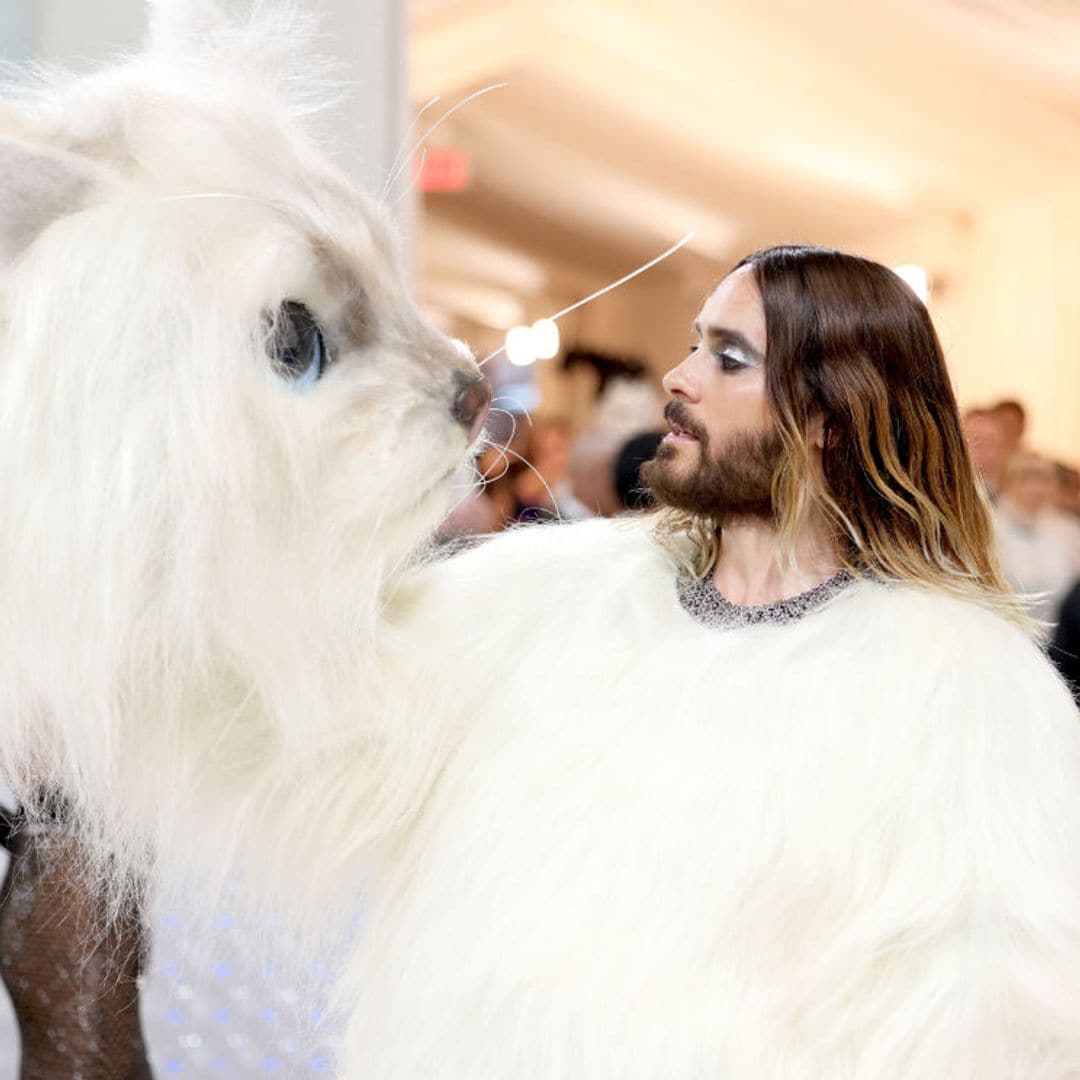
[(521, 346), (916, 278), (545, 335)]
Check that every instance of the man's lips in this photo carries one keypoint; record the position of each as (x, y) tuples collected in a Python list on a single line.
[(681, 428), (678, 436)]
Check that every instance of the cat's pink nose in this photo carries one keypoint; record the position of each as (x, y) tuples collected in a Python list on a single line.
[(472, 401)]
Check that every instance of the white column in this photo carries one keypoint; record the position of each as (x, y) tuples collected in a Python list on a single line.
[(16, 31), (81, 35), (369, 41)]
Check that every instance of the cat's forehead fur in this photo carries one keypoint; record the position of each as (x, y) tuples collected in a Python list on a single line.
[(213, 106)]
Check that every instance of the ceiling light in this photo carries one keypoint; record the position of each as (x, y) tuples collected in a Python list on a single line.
[(545, 335), (521, 346), (916, 278)]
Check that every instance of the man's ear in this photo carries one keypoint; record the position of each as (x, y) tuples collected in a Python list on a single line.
[(38, 185)]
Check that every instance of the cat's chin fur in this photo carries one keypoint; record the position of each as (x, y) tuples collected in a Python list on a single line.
[(195, 554)]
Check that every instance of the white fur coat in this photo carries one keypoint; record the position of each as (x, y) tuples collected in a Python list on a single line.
[(847, 846)]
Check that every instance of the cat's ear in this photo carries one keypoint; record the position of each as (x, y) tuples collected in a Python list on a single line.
[(38, 185), (179, 25)]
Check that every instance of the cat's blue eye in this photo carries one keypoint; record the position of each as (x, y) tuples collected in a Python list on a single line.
[(315, 359), (298, 348)]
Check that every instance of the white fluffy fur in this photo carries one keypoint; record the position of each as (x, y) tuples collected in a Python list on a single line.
[(194, 553), (844, 847), (848, 847)]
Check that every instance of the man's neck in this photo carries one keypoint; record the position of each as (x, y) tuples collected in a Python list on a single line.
[(748, 572)]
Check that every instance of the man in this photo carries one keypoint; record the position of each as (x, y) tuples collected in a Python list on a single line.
[(1039, 545), (988, 447), (774, 786), (1012, 416)]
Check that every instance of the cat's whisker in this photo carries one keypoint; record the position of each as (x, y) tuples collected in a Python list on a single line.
[(472, 488), (606, 289), (536, 472), (523, 412), (513, 423), (501, 451), (415, 180), (405, 142), (434, 127)]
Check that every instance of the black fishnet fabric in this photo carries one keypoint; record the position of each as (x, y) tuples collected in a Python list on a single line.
[(71, 977)]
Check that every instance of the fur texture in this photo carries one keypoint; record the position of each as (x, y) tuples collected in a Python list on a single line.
[(847, 847), (194, 552)]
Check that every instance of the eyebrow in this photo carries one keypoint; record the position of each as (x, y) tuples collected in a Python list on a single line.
[(733, 337)]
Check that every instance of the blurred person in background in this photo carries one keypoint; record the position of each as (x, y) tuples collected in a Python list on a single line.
[(484, 499), (1065, 648), (1068, 490), (1038, 545), (603, 477), (547, 454), (515, 477), (588, 487), (1012, 419), (633, 493), (988, 446)]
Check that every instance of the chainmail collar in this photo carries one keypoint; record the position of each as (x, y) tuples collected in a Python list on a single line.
[(703, 601)]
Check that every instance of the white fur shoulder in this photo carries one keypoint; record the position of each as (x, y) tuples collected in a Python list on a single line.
[(843, 847), (514, 577)]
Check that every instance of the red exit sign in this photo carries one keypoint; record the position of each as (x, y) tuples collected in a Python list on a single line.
[(444, 169)]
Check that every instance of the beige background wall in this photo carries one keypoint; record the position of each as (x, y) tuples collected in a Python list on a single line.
[(1007, 307)]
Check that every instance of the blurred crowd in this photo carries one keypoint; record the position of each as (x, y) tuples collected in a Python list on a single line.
[(542, 472), (533, 470), (1036, 504)]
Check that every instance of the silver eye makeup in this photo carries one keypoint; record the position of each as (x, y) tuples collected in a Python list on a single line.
[(732, 358), (729, 354)]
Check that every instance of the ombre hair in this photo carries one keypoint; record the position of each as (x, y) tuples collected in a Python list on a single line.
[(850, 346)]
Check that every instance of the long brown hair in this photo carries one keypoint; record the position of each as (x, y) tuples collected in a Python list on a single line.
[(849, 344)]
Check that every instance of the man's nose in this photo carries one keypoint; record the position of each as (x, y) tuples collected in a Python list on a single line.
[(677, 382), (472, 401)]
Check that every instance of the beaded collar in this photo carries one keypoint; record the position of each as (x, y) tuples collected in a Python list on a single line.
[(702, 600)]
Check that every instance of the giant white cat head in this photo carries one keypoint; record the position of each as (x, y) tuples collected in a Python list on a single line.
[(223, 422)]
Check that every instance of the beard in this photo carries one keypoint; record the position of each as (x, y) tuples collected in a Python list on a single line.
[(734, 482)]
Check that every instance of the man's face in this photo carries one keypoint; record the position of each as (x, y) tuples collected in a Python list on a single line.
[(1011, 422), (986, 444), (1031, 483), (723, 450)]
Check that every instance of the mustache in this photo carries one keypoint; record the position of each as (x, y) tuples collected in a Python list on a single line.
[(675, 412)]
